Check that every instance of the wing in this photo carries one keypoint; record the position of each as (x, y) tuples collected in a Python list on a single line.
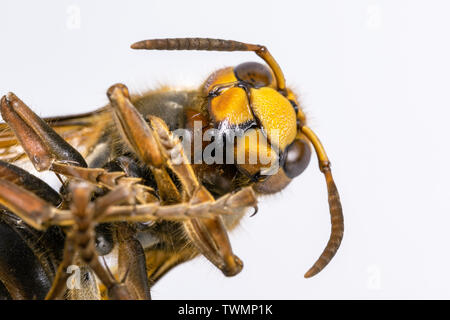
[(82, 131)]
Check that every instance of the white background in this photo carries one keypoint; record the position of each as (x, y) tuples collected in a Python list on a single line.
[(374, 79)]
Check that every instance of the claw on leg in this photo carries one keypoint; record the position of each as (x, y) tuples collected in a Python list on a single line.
[(225, 205), (211, 238)]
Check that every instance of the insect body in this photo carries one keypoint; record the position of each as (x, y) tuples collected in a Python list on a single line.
[(137, 196)]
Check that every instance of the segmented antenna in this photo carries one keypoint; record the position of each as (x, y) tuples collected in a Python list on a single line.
[(337, 218), (207, 44), (193, 44), (337, 228)]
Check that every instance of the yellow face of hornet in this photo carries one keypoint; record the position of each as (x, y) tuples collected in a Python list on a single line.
[(255, 99), (246, 98)]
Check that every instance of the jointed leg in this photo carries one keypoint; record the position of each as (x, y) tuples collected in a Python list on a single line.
[(208, 235), (41, 143), (84, 214), (132, 264), (59, 283), (48, 151), (81, 240)]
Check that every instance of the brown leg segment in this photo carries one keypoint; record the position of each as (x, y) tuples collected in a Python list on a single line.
[(132, 264), (229, 204), (25, 204), (22, 178), (133, 127), (59, 283), (41, 143), (84, 212)]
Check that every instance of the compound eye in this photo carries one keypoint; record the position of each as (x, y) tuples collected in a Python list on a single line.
[(297, 157), (256, 74)]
